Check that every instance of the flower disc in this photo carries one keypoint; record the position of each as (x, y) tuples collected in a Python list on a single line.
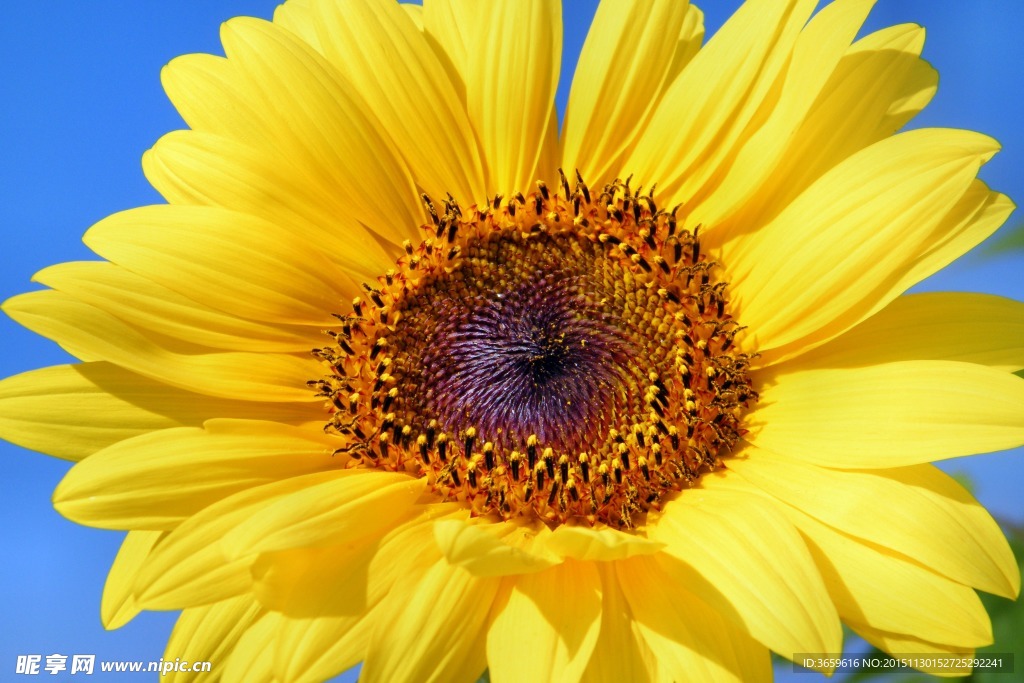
[(558, 355)]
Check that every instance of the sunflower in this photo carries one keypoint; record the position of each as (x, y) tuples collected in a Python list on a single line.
[(402, 374)]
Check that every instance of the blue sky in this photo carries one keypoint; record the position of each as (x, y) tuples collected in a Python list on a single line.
[(81, 102)]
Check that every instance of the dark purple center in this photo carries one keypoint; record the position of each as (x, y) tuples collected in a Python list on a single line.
[(527, 337), (540, 358)]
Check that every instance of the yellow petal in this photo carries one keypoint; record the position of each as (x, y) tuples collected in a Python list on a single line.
[(621, 653), (489, 549), (297, 17), (916, 511), (314, 650), (704, 112), (65, 410), (974, 218), (329, 126), (433, 629), (350, 578), (326, 131), (155, 480), (119, 605), (599, 544), (449, 26), (889, 415), (316, 582), (690, 639), (714, 535), (816, 54), (157, 309), (347, 505), (545, 625), (90, 334), (519, 143), (233, 262), (209, 634), (972, 328), (691, 37), (415, 13), (876, 587), (252, 658), (878, 85), (203, 169), (840, 246), (977, 215), (209, 93), (190, 568), (621, 70), (380, 53), (71, 411)]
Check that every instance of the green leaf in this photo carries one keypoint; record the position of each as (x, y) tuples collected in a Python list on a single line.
[(1008, 240)]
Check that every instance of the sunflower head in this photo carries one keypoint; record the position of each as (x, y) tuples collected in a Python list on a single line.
[(379, 383)]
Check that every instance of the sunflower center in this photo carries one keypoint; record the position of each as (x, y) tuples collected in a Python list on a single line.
[(530, 343), (563, 355)]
